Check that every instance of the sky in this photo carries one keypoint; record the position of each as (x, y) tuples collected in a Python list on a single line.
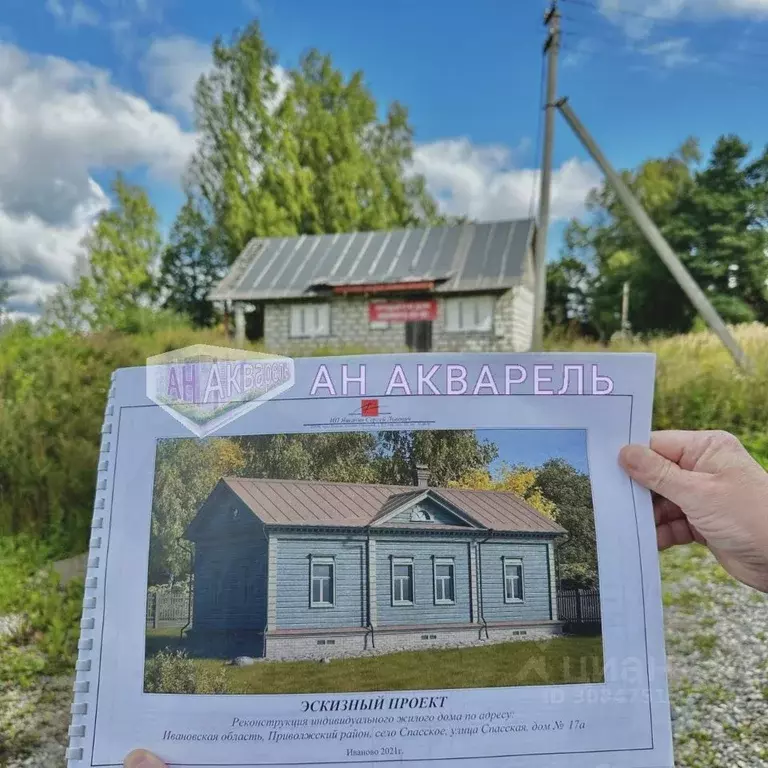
[(533, 447), (90, 87)]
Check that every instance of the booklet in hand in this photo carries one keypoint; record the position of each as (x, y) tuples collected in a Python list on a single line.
[(427, 560)]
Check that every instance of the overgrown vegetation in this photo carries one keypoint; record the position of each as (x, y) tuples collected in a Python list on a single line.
[(175, 672), (40, 631), (53, 392)]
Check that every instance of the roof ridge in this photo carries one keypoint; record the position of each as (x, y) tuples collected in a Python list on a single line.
[(404, 488)]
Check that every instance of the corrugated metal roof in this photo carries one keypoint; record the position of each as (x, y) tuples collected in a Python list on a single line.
[(355, 505), (464, 257)]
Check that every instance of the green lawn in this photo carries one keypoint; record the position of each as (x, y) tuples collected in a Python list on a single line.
[(163, 639), (556, 661)]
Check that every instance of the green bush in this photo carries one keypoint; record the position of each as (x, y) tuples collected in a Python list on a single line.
[(53, 392), (175, 672), (45, 640)]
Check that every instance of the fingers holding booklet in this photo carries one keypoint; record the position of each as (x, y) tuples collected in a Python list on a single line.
[(393, 559)]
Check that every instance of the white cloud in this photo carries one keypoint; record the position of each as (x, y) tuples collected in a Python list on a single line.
[(77, 14), (638, 18), (172, 67), (672, 52), (60, 122), (480, 181)]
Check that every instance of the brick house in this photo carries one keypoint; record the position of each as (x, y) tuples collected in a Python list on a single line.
[(468, 287), (304, 568)]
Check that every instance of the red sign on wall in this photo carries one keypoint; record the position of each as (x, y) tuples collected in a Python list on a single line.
[(402, 311)]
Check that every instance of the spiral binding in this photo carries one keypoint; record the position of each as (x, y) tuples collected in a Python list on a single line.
[(94, 579)]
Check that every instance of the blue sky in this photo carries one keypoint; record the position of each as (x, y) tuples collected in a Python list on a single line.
[(533, 447), (88, 87)]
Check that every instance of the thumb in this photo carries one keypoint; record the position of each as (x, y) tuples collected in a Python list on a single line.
[(140, 758), (655, 472)]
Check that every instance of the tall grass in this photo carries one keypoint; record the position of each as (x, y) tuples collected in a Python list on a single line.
[(53, 392), (698, 386)]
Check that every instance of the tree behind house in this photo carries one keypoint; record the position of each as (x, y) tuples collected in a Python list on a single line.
[(117, 282)]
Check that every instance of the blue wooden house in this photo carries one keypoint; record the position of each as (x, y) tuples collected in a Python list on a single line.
[(305, 568)]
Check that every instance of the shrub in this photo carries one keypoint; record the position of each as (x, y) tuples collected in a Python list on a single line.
[(45, 641), (175, 672)]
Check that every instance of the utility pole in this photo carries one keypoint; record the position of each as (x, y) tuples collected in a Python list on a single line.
[(625, 310), (651, 232), (552, 49)]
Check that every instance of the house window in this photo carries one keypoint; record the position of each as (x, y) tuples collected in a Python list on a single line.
[(310, 320), (402, 582), (445, 582), (469, 313), (322, 586), (513, 581)]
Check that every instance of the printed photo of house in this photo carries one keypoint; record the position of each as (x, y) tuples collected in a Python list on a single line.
[(372, 561), (344, 567)]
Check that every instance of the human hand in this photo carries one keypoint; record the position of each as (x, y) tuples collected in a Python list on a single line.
[(708, 489), (140, 758)]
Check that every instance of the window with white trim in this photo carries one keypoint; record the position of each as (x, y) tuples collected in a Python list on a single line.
[(322, 578), (402, 581), (469, 314), (310, 320), (513, 580), (445, 581)]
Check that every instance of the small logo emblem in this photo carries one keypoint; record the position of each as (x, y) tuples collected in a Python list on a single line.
[(205, 387), (369, 408)]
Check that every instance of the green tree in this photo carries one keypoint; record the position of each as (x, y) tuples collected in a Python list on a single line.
[(311, 160), (571, 493), (721, 223), (5, 295), (713, 217), (186, 472), (568, 283), (190, 266), (357, 165), (121, 249), (449, 454), (521, 481)]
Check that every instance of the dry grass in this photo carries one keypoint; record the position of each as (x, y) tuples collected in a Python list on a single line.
[(698, 386)]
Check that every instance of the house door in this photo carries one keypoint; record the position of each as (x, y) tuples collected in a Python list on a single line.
[(418, 335)]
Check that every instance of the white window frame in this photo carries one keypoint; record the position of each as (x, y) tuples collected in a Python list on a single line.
[(313, 561), (516, 562), (438, 561), (408, 561), (299, 314), (462, 314)]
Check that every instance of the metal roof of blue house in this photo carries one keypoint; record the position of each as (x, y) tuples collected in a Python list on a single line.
[(463, 257)]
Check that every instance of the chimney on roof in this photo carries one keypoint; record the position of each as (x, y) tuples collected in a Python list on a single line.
[(422, 475)]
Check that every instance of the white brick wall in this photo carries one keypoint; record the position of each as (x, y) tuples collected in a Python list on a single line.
[(512, 329)]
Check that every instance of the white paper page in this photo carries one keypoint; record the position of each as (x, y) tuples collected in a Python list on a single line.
[(620, 720)]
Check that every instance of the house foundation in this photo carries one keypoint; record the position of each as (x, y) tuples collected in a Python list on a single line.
[(338, 643)]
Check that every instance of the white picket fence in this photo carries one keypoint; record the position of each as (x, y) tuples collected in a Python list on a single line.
[(168, 609)]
